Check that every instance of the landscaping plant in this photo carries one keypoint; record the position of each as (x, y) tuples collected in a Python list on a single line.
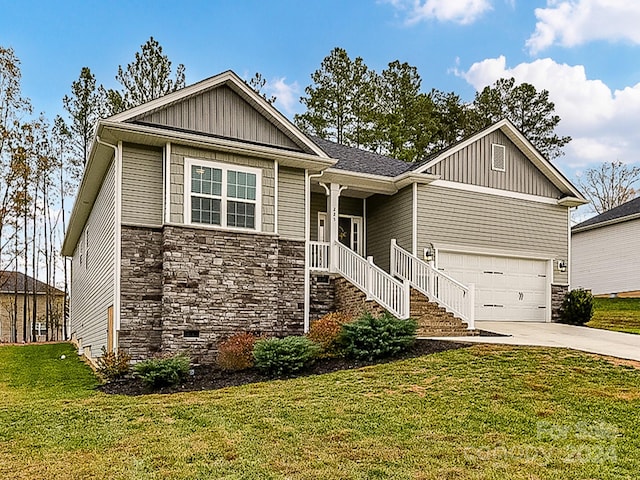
[(236, 353), (577, 307), (114, 365), (372, 337), (163, 372), (278, 356), (326, 331)]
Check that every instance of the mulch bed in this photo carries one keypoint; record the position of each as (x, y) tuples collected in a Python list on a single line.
[(207, 377)]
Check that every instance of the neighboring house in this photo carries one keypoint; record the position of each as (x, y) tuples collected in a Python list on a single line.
[(206, 212), (12, 311), (604, 253)]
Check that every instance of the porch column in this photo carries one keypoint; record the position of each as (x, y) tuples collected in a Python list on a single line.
[(333, 209)]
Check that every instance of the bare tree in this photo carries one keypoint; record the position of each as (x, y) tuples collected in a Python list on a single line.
[(610, 185)]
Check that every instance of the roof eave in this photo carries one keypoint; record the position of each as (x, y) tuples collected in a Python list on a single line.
[(607, 223), (572, 201)]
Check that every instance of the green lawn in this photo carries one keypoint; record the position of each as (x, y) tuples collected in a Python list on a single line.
[(484, 412), (618, 314)]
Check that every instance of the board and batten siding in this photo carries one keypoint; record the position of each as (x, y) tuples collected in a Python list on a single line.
[(221, 111), (142, 186), (92, 280), (472, 165), (347, 206), (492, 224), (178, 154), (389, 217), (291, 203), (605, 260)]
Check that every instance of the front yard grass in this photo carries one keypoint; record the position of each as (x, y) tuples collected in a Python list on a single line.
[(618, 314), (484, 412)]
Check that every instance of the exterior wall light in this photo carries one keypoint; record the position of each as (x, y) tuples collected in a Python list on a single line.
[(562, 265), (428, 253)]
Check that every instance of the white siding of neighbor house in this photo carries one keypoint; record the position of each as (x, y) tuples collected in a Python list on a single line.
[(141, 186), (606, 259), (92, 282), (493, 224), (178, 154), (291, 204)]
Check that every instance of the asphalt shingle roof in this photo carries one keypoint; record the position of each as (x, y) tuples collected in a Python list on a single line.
[(361, 161), (16, 281), (632, 207)]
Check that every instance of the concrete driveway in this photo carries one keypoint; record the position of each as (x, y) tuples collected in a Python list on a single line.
[(603, 342)]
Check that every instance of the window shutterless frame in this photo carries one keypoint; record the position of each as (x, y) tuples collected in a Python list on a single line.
[(220, 195)]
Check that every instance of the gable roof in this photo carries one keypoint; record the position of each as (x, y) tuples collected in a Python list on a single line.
[(361, 161), (240, 87), (622, 213), (11, 282), (573, 196)]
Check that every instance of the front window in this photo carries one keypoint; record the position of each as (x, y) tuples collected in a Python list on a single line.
[(223, 195)]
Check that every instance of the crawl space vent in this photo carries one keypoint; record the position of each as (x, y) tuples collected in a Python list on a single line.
[(497, 157)]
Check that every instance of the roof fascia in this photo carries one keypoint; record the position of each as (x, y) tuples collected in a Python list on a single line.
[(239, 86), (614, 221)]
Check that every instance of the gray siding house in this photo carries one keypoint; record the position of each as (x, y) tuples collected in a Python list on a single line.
[(206, 212)]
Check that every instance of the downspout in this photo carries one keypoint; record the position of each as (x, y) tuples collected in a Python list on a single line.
[(307, 234), (117, 158)]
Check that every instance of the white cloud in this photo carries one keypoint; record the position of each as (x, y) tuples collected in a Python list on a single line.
[(457, 11), (575, 22), (287, 95), (601, 122)]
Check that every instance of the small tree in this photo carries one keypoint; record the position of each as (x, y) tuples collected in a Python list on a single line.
[(577, 307), (610, 185)]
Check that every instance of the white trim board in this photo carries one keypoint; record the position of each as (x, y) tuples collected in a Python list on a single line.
[(494, 191)]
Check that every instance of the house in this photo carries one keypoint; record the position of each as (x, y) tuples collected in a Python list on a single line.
[(604, 255), (206, 212), (14, 315)]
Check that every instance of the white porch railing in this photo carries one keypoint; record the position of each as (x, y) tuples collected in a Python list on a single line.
[(319, 256), (436, 285), (377, 284)]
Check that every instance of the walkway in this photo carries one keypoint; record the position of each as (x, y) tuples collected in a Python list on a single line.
[(603, 342)]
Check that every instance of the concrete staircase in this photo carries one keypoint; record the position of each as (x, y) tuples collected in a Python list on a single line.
[(434, 320)]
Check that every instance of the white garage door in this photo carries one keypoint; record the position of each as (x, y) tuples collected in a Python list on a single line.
[(513, 289)]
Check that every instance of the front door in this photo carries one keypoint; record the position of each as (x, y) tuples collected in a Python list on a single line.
[(349, 231)]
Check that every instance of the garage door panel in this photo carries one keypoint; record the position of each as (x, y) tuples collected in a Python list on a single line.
[(507, 288)]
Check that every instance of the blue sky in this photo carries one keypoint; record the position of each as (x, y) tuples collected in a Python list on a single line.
[(585, 52)]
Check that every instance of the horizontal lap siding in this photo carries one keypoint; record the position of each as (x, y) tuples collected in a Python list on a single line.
[(141, 186), (605, 259), (493, 223), (223, 112), (389, 217), (291, 198), (472, 165), (92, 283), (178, 154)]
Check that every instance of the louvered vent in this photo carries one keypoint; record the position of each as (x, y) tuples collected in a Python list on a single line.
[(497, 157)]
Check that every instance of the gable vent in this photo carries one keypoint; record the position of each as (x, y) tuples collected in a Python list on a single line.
[(497, 157)]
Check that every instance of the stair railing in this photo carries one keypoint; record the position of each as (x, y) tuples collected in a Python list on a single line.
[(377, 284), (439, 287)]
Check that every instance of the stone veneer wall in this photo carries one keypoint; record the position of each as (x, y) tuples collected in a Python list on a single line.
[(351, 300), (218, 283), (140, 332), (321, 295), (557, 296)]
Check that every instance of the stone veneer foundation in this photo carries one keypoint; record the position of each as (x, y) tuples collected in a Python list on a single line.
[(558, 293), (190, 288)]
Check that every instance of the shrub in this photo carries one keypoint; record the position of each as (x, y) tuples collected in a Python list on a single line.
[(236, 353), (163, 372), (277, 356), (577, 307), (113, 365), (372, 337), (326, 331)]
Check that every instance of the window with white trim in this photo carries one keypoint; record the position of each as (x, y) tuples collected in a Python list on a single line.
[(222, 195)]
